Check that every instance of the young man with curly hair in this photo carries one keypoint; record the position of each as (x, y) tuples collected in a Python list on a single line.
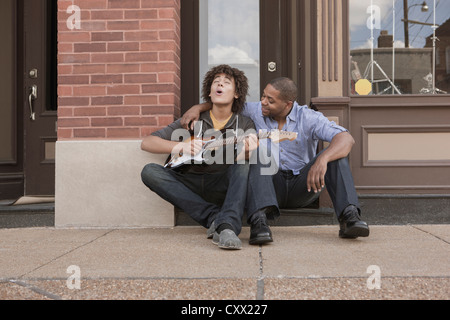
[(214, 191)]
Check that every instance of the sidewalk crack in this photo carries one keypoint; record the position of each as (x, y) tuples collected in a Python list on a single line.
[(64, 254), (260, 282), (37, 290), (437, 237)]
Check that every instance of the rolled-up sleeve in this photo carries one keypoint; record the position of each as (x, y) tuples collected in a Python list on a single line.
[(167, 132), (325, 129), (251, 109)]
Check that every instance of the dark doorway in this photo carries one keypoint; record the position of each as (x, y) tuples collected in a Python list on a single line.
[(27, 151)]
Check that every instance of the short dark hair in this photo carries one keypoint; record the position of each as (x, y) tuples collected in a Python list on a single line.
[(287, 87), (240, 80)]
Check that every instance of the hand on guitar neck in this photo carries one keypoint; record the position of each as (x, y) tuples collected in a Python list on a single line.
[(194, 146)]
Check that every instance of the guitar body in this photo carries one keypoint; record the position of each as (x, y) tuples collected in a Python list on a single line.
[(183, 159)]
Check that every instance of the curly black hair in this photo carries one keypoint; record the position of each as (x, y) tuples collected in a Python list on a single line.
[(240, 80)]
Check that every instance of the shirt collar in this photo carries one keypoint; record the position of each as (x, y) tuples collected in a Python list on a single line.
[(292, 115), (294, 112), (205, 116)]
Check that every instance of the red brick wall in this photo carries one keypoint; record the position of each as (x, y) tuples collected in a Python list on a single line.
[(119, 74)]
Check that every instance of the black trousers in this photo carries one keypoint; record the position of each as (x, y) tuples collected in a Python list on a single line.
[(289, 191)]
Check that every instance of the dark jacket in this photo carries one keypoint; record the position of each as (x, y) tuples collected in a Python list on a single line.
[(205, 129)]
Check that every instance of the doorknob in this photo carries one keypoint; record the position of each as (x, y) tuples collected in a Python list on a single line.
[(33, 73), (32, 96), (272, 66)]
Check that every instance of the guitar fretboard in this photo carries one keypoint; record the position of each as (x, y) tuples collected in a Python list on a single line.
[(235, 140)]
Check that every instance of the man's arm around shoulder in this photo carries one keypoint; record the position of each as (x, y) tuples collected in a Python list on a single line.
[(193, 114)]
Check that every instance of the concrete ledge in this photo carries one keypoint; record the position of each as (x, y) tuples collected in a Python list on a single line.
[(294, 217), (26, 216), (400, 209), (98, 185)]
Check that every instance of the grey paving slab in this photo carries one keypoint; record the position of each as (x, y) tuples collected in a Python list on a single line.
[(24, 250), (156, 264), (313, 252), (155, 253)]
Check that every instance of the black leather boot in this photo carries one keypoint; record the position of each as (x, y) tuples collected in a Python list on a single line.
[(259, 231), (351, 225)]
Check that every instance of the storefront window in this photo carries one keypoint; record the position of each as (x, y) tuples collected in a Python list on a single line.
[(399, 47), (229, 34)]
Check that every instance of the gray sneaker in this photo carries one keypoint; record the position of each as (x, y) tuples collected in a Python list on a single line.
[(211, 231), (227, 240)]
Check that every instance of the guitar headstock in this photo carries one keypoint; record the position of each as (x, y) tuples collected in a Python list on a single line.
[(278, 136)]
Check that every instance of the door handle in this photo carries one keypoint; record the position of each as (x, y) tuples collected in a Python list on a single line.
[(31, 97), (272, 66)]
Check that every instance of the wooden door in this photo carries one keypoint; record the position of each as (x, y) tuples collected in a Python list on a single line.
[(39, 98), (28, 100)]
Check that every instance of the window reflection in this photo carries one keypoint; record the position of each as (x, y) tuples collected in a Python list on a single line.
[(229, 34), (400, 46)]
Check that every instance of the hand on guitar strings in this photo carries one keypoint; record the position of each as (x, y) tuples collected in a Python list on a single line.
[(189, 147)]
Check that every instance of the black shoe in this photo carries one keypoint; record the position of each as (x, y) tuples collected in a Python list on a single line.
[(259, 231), (351, 225)]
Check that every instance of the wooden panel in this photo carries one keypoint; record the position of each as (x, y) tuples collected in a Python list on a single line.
[(412, 147), (11, 135), (7, 88), (401, 118)]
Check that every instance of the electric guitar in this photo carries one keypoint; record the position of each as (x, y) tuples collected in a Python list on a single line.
[(180, 159)]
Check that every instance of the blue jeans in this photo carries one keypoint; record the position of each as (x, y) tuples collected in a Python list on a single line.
[(206, 197)]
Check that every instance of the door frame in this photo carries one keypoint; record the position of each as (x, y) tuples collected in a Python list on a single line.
[(190, 48)]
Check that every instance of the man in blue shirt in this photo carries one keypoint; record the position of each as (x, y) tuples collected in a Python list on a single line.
[(302, 174)]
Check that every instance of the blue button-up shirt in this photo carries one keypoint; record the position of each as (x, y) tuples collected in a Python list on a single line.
[(311, 126)]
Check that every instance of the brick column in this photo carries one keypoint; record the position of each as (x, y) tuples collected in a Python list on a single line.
[(119, 69)]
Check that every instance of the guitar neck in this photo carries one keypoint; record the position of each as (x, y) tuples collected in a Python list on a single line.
[(234, 140)]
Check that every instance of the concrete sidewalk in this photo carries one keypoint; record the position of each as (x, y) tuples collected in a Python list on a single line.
[(413, 262)]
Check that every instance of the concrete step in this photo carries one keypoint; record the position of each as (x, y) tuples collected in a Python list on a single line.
[(26, 216), (289, 217), (376, 209), (383, 209)]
